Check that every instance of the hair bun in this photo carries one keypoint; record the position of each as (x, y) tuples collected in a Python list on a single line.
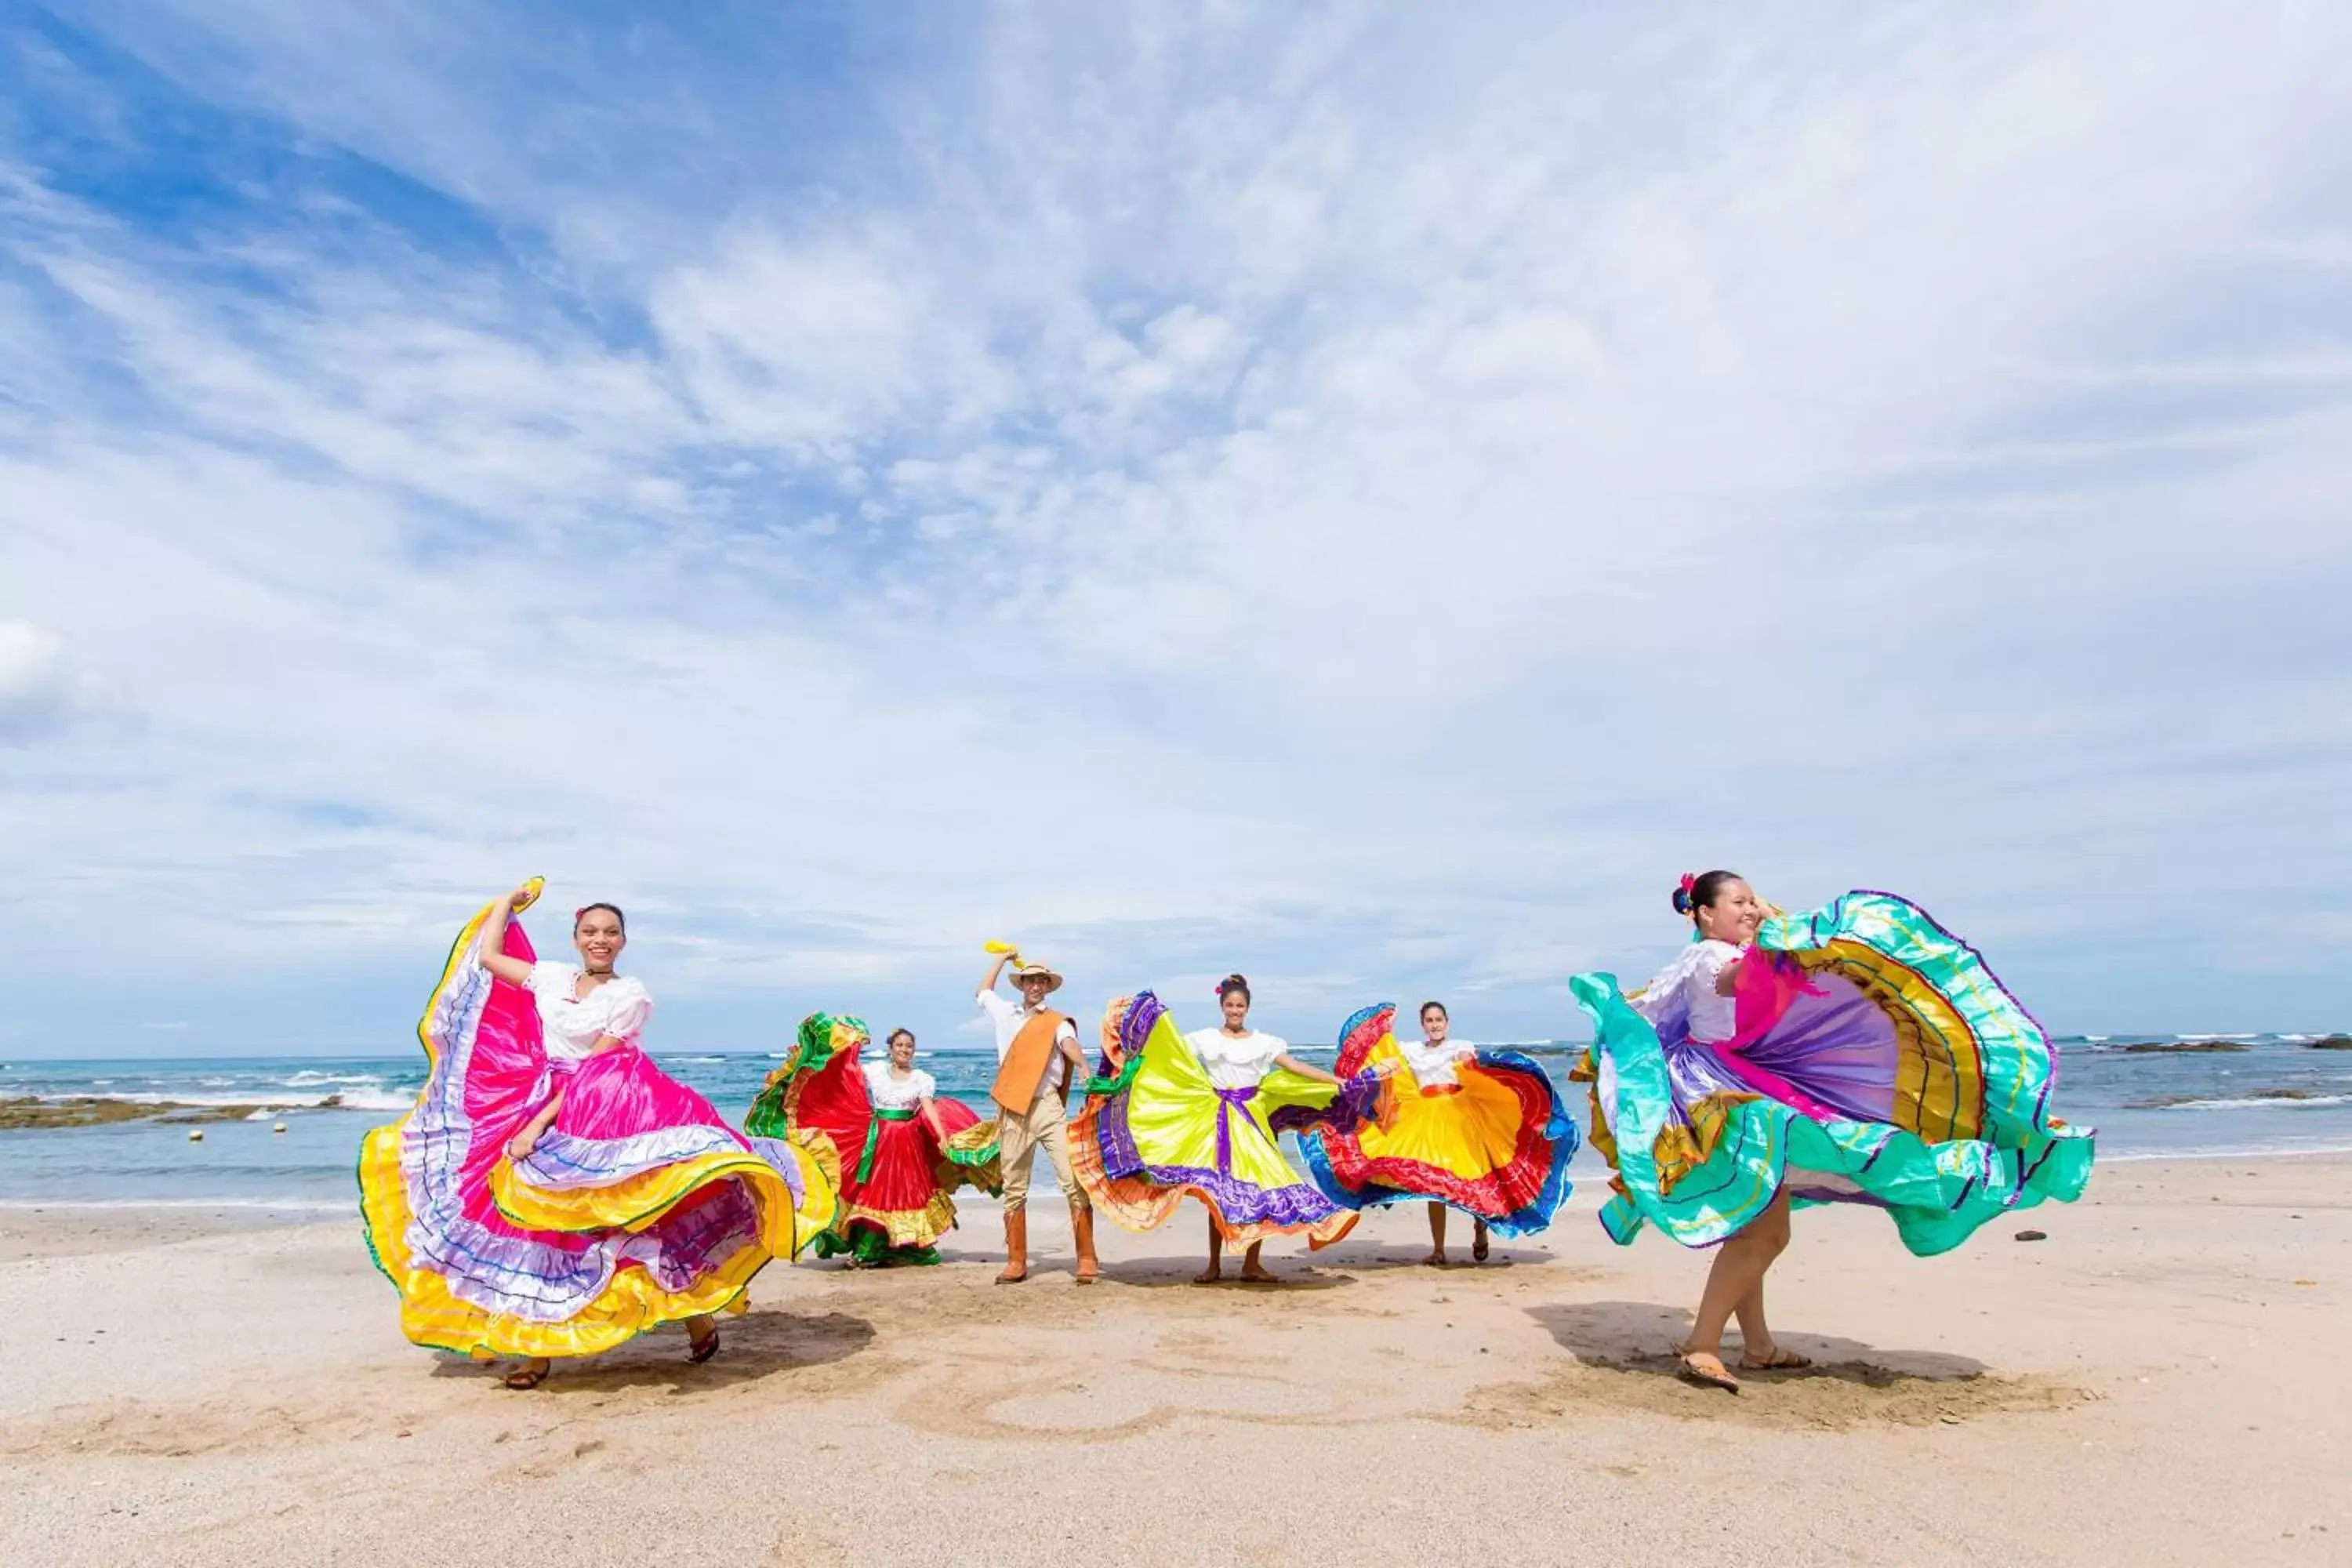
[(1686, 893)]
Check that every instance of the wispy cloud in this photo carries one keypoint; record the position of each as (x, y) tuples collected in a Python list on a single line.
[(46, 693), (1368, 505)]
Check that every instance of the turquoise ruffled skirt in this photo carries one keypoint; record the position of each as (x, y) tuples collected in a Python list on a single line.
[(1877, 1060)]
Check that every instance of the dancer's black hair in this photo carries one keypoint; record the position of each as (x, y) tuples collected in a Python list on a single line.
[(1231, 984), (614, 909), (1700, 892)]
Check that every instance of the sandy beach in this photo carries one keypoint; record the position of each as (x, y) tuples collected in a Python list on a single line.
[(2156, 1381)]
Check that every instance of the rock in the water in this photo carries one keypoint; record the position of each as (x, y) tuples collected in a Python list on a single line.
[(196, 1135), (80, 1110), (95, 1111), (181, 1115), (2331, 1043), (2191, 1048)]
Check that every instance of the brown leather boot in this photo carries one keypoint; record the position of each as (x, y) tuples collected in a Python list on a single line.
[(1016, 1247), (1082, 1231)]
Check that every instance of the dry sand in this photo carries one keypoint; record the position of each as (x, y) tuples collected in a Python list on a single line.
[(2161, 1381)]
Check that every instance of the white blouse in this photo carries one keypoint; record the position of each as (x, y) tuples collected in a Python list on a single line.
[(1235, 1061), (570, 1029), (1434, 1067), (1693, 974), (889, 1093)]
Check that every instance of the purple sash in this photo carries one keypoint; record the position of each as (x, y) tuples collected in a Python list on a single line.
[(1228, 1101)]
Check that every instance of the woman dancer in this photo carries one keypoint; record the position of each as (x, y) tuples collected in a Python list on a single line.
[(1480, 1131), (1858, 1054), (553, 1193), (901, 1148), (1199, 1115)]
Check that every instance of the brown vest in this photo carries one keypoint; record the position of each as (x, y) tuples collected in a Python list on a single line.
[(1025, 1059)]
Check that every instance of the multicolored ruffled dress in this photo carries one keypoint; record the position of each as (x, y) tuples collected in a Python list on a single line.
[(1480, 1131), (1190, 1117), (1869, 1056), (897, 1177), (638, 1206)]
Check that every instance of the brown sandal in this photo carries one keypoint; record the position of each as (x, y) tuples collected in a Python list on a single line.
[(1779, 1361), (1695, 1369), (701, 1350), (527, 1376)]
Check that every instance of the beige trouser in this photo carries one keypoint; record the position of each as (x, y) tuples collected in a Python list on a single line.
[(1017, 1138)]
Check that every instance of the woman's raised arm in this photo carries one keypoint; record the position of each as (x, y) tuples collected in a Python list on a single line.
[(491, 947)]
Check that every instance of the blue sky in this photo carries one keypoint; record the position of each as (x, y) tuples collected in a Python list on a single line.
[(1362, 497)]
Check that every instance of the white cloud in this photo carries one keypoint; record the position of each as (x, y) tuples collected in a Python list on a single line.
[(41, 692), (807, 346)]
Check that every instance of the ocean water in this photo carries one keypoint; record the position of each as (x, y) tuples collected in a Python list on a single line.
[(2275, 1095)]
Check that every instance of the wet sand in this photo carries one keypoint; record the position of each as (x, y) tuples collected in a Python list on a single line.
[(2158, 1381)]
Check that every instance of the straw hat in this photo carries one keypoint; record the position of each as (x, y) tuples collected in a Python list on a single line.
[(1028, 968)]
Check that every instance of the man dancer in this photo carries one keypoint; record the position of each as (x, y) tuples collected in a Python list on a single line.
[(1029, 1093)]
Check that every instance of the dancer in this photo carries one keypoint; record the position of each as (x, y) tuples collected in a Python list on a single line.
[(1036, 1049), (902, 1149), (1175, 1116), (553, 1193), (1480, 1131), (1858, 1054)]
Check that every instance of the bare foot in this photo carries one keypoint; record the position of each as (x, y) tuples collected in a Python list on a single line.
[(1208, 1275), (1436, 1259), (1258, 1274)]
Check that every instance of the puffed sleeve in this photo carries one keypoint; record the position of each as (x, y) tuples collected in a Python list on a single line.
[(549, 977), (632, 1006), (1666, 987), (1714, 958), (926, 1085)]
